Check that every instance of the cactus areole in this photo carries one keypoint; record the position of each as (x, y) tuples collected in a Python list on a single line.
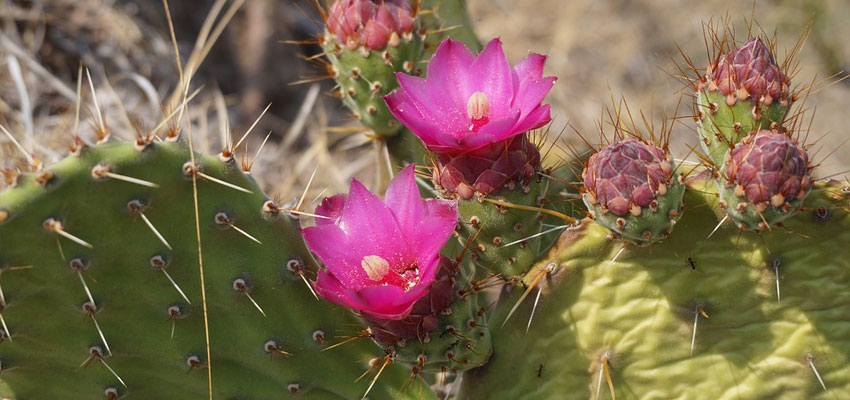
[(380, 256), (473, 112)]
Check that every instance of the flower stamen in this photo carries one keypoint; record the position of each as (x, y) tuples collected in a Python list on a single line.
[(376, 267), (478, 109)]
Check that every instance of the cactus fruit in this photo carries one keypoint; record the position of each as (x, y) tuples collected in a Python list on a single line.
[(764, 180), (104, 272), (743, 90), (366, 42), (632, 188), (748, 317)]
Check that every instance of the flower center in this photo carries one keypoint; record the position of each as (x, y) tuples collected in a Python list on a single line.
[(376, 267), (478, 107)]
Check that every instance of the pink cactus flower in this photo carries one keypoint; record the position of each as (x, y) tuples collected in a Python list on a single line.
[(380, 256), (469, 101), (370, 23)]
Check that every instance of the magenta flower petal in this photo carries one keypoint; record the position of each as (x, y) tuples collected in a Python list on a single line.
[(389, 302), (469, 101), (332, 289), (380, 256), (331, 245), (366, 218), (449, 70), (331, 207), (531, 93), (490, 74), (428, 222), (536, 119), (431, 102), (531, 67)]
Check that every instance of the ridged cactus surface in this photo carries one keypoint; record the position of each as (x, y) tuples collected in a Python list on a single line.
[(763, 313), (51, 318)]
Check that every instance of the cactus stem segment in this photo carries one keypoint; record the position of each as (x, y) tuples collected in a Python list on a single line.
[(811, 362)]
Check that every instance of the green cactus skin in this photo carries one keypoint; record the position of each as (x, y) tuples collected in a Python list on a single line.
[(501, 226), (651, 225), (720, 125), (749, 217), (461, 341), (448, 18), (364, 76), (51, 334), (638, 313)]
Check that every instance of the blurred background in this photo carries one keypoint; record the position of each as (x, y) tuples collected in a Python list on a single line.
[(598, 49)]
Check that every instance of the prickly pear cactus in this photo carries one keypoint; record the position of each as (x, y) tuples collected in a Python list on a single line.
[(736, 316), (102, 293)]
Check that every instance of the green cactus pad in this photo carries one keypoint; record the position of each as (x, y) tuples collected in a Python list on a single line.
[(365, 76), (720, 124), (448, 19), (461, 341), (635, 317), (135, 304), (505, 245)]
